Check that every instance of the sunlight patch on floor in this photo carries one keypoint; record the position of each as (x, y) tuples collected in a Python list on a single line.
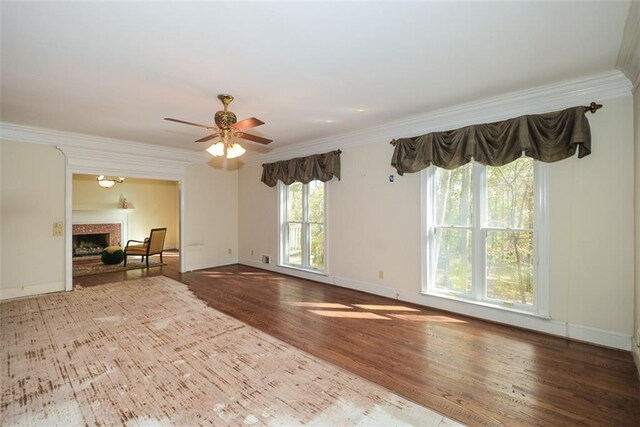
[(384, 307), (349, 314), (426, 318), (319, 305), (229, 273)]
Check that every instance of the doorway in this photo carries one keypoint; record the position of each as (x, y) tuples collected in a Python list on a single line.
[(126, 211)]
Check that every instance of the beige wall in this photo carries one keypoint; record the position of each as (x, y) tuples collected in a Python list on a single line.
[(211, 217), (32, 198), (1, 280), (153, 204), (375, 225), (636, 127), (591, 218)]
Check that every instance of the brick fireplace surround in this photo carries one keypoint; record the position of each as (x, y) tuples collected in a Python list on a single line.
[(112, 229)]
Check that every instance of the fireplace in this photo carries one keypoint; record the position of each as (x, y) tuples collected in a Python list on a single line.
[(112, 222), (91, 239), (90, 244)]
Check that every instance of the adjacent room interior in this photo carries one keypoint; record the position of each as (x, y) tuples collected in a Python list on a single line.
[(111, 211), (389, 213)]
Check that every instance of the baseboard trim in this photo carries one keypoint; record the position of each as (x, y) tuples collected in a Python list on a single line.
[(27, 291), (599, 336), (636, 360), (288, 271), (531, 322), (212, 264), (540, 324)]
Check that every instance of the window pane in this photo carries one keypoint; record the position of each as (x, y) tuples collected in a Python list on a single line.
[(453, 251), (453, 196), (294, 244), (316, 201), (510, 194), (316, 251), (510, 266), (294, 202)]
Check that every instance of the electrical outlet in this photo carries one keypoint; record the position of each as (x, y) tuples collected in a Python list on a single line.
[(380, 274), (229, 251), (57, 229), (265, 259), (251, 251)]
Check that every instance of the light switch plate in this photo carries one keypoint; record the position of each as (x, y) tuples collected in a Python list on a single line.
[(57, 229)]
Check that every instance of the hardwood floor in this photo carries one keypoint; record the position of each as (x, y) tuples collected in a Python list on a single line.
[(476, 372)]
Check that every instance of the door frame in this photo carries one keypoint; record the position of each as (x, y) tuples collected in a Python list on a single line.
[(151, 171)]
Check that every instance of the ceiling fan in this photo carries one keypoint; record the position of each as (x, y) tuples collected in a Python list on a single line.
[(228, 126)]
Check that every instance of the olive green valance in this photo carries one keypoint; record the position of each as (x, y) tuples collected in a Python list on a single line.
[(320, 167), (545, 137)]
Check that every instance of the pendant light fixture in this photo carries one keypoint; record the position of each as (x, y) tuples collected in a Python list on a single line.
[(109, 181)]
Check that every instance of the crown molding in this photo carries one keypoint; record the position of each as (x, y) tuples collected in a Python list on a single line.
[(115, 155), (94, 154), (629, 54), (89, 161), (599, 87)]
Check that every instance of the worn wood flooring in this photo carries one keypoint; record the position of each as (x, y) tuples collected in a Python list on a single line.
[(476, 372), (150, 353)]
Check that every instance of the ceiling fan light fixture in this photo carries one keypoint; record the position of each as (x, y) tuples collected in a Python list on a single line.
[(216, 149), (234, 151), (227, 127)]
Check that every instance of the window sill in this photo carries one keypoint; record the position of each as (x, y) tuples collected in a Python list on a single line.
[(306, 270), (485, 304)]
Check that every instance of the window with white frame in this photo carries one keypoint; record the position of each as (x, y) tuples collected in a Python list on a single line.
[(486, 238), (303, 225)]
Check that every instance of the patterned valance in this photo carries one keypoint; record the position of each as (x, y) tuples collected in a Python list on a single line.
[(546, 137), (320, 167)]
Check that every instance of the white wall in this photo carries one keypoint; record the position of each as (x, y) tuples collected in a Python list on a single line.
[(32, 198), (211, 217), (375, 225), (153, 204)]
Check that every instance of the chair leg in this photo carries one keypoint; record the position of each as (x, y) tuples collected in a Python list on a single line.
[(147, 261), (160, 257), (125, 259)]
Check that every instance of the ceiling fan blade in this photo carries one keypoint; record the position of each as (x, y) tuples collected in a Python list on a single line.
[(248, 123), (189, 123), (208, 137), (253, 138)]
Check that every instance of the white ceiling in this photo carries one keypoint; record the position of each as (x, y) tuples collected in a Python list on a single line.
[(309, 70)]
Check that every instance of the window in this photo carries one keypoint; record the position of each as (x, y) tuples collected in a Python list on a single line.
[(303, 225), (486, 234)]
